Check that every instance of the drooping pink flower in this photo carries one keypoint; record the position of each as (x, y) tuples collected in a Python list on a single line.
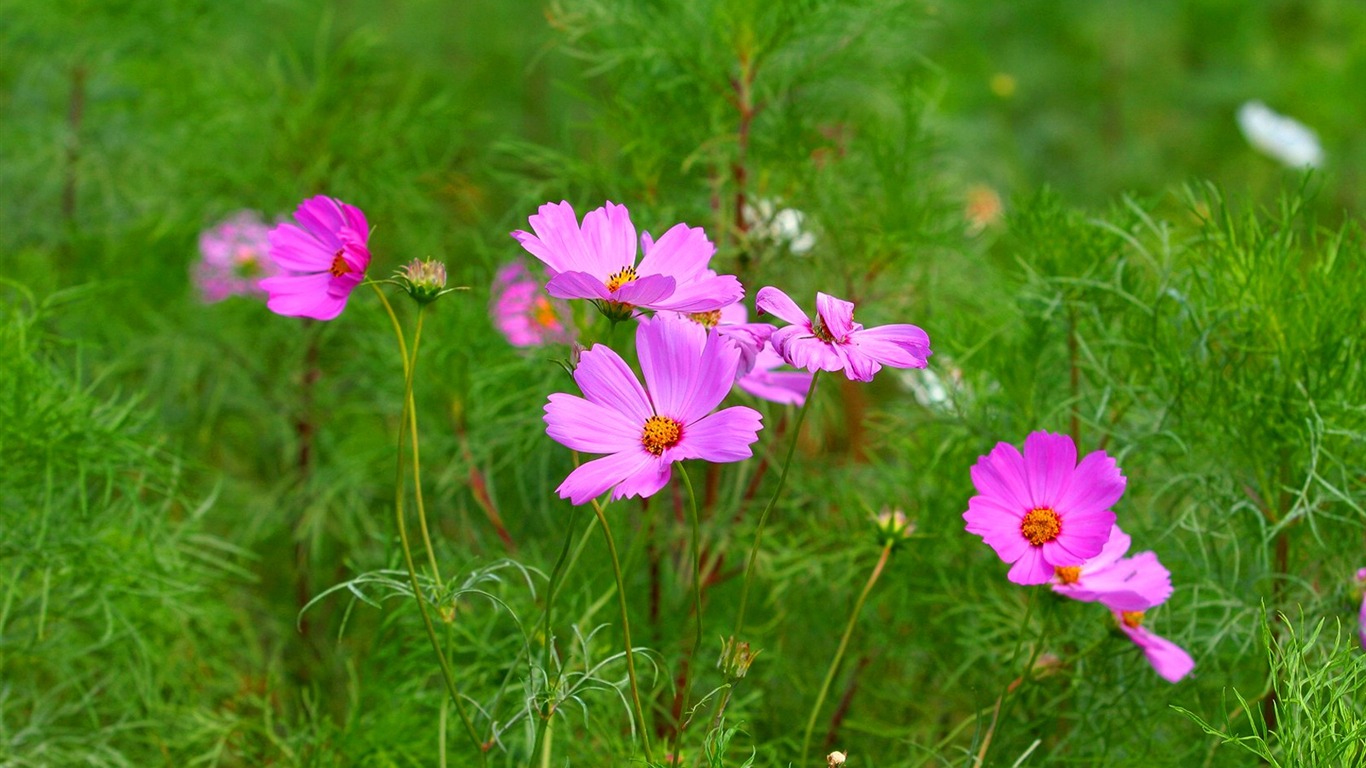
[(1361, 617), (766, 382), (326, 256), (233, 258), (597, 261), (756, 372), (524, 313), (1124, 583), (1169, 660), (1129, 587), (1042, 510), (833, 341), (688, 371)]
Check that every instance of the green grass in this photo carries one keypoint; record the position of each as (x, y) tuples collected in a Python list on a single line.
[(199, 563)]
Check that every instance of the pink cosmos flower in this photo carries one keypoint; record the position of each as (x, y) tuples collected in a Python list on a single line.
[(233, 258), (833, 341), (688, 371), (1042, 510), (1169, 660), (1124, 583), (326, 254), (598, 262), (767, 383), (524, 314), (1129, 607), (1361, 617)]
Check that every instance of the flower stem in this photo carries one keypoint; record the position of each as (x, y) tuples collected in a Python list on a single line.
[(626, 631), (409, 363), (548, 715), (773, 500), (417, 461), (1014, 657), (697, 606), (844, 645)]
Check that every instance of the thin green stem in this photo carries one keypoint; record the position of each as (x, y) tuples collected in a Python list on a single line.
[(772, 501), (417, 461), (697, 604), (1002, 699), (626, 630), (447, 675), (546, 734), (843, 646), (555, 573)]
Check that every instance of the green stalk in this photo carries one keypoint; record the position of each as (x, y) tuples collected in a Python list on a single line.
[(773, 500), (417, 461), (555, 574), (1014, 657), (697, 602), (626, 630), (844, 645), (409, 364)]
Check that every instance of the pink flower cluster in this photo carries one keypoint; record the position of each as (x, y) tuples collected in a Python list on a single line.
[(1050, 518), (233, 258), (524, 314), (694, 341)]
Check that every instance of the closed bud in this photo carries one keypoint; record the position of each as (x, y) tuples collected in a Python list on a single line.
[(892, 528), (425, 280), (736, 658)]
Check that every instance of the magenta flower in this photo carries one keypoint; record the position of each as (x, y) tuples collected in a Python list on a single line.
[(1123, 583), (1169, 660), (326, 254), (833, 341), (234, 258), (1361, 617), (688, 371), (598, 262), (766, 383), (523, 313), (1042, 510)]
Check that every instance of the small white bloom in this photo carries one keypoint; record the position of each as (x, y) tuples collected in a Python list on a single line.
[(1280, 137), (783, 227)]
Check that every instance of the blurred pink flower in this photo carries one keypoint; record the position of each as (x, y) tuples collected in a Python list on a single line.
[(1042, 510), (833, 341), (326, 255), (1123, 583), (523, 313), (1361, 617), (233, 258), (597, 261), (688, 371)]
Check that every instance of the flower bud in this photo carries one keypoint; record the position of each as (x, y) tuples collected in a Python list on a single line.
[(425, 280), (835, 759), (892, 528), (736, 658)]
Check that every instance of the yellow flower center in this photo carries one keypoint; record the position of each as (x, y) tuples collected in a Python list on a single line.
[(339, 266), (543, 312), (1068, 574), (661, 432), (1041, 526), (621, 277), (706, 319), (1131, 619), (818, 329)]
